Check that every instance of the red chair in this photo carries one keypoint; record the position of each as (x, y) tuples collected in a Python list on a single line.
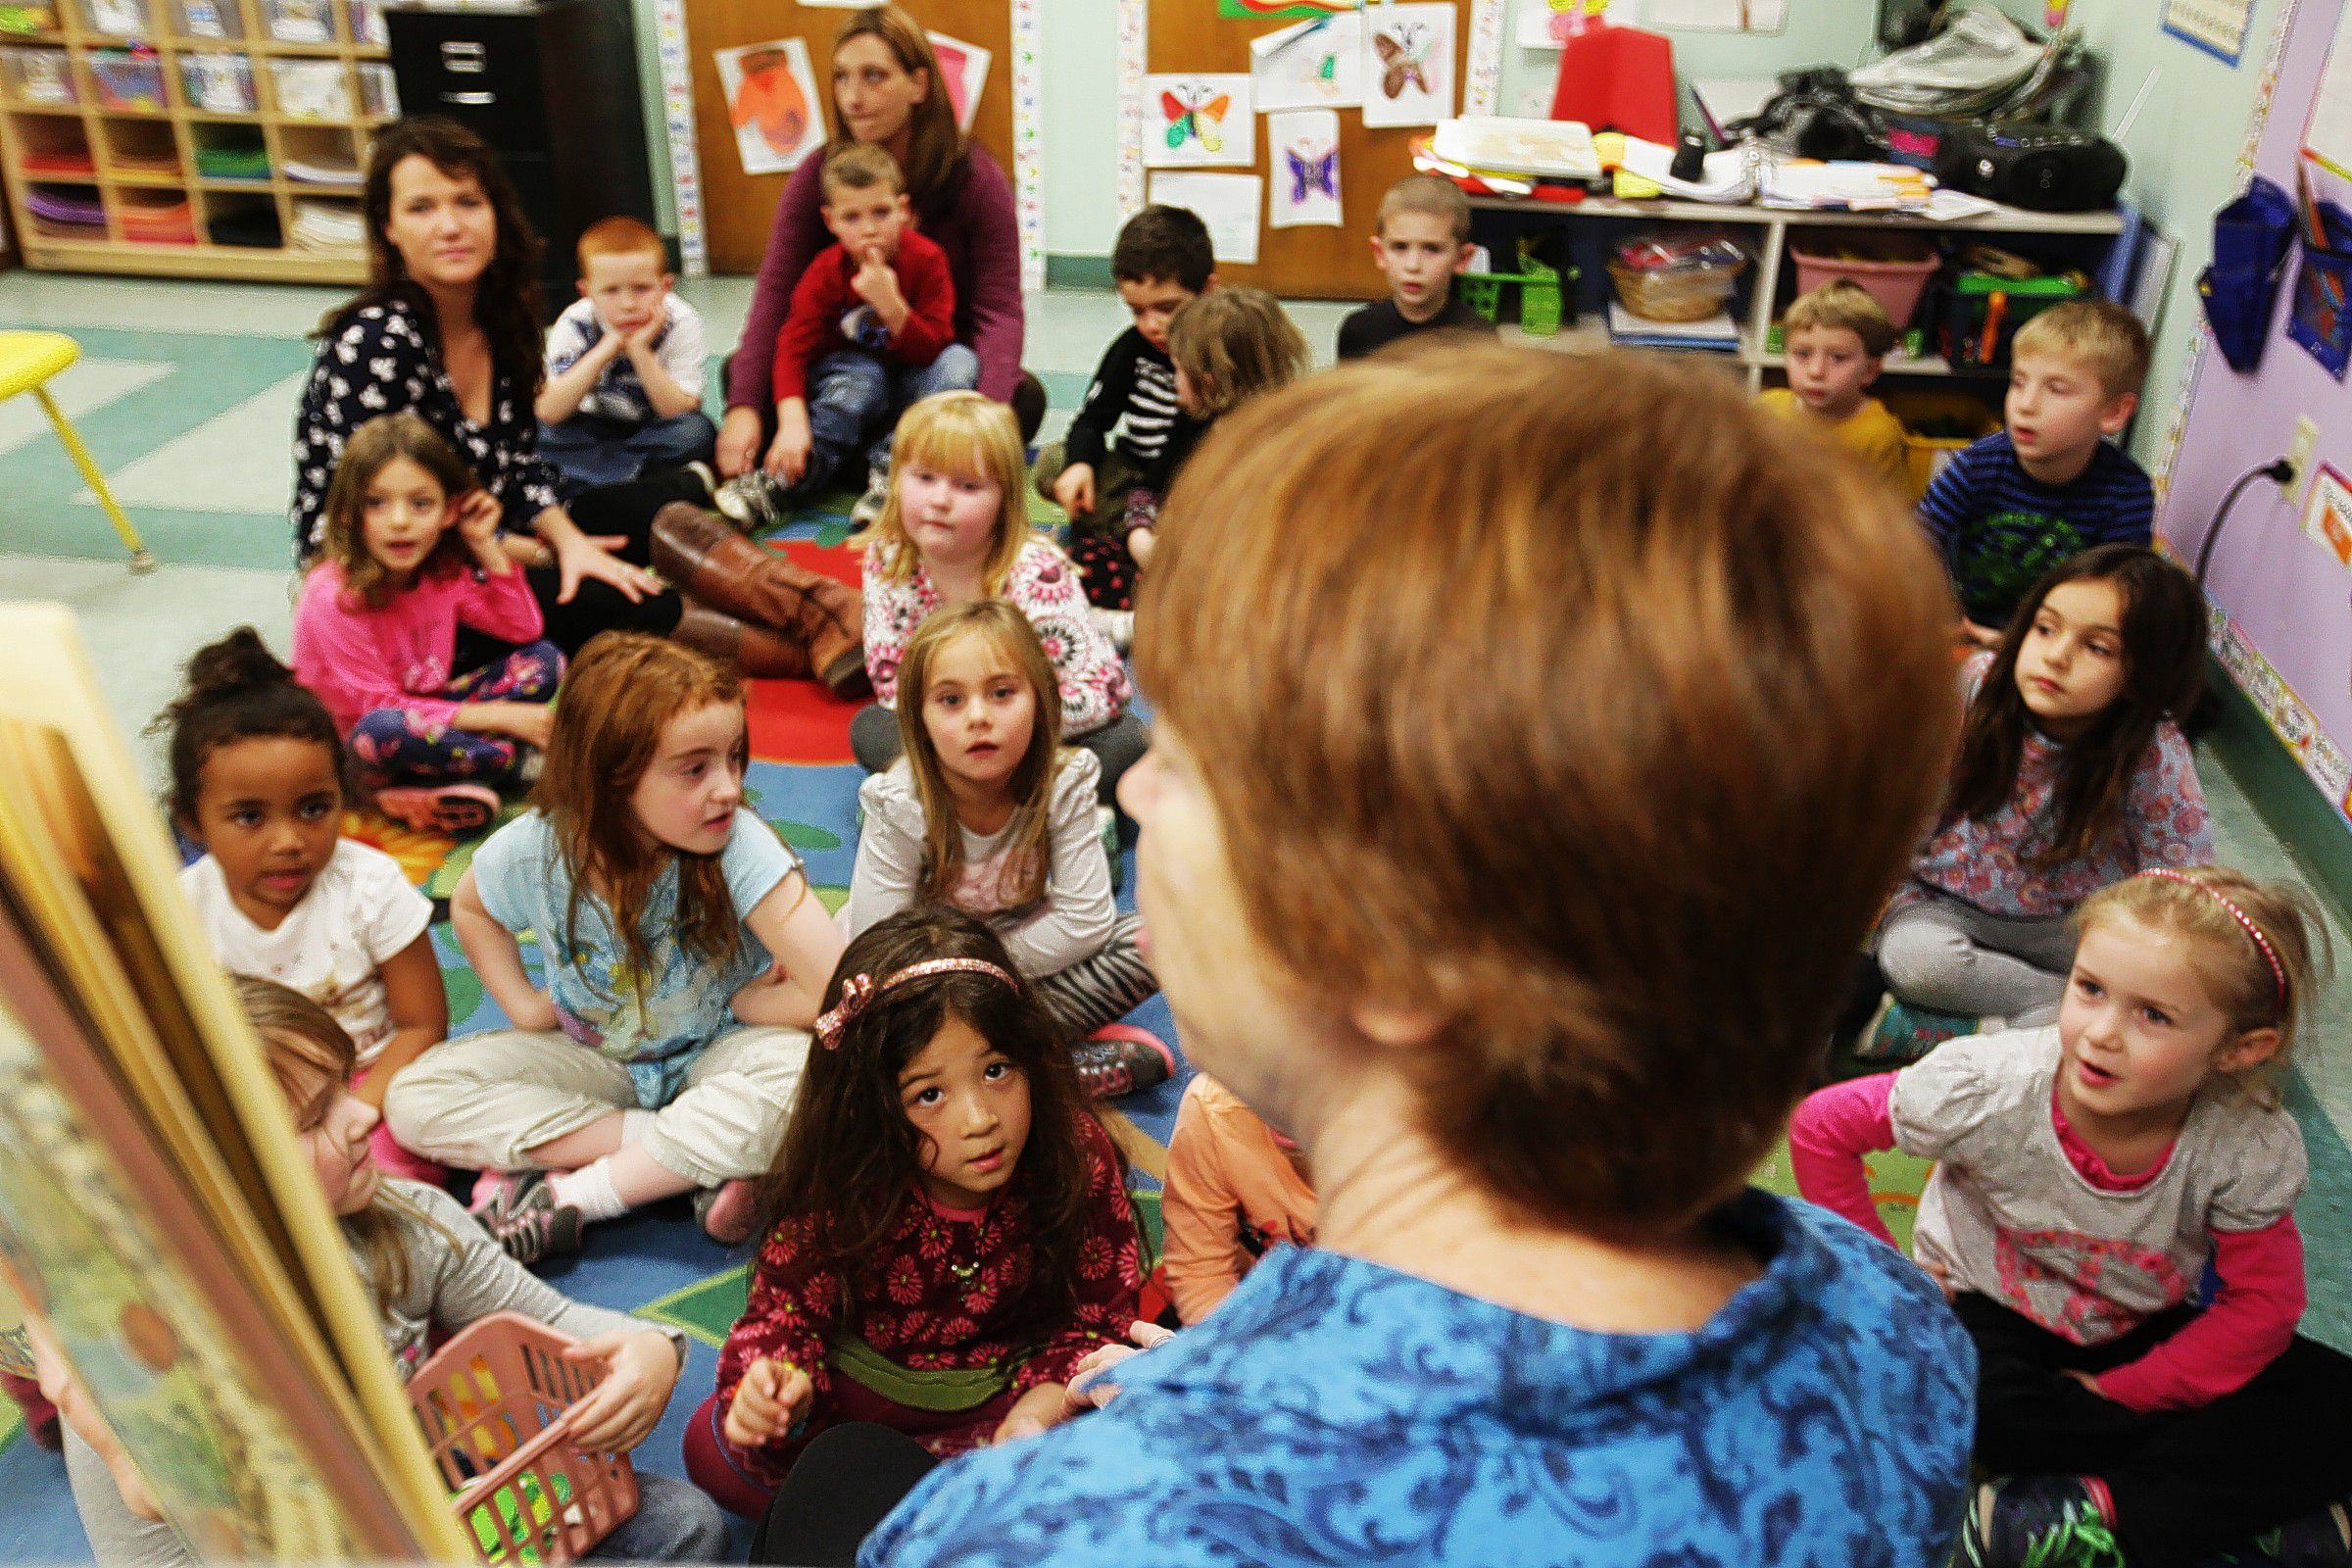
[(1619, 79)]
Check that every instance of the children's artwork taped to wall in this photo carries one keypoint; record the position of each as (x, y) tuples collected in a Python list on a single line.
[(1227, 203), (1285, 10), (1718, 16), (2327, 514), (1303, 148), (2327, 133), (963, 68), (2217, 27), (1313, 65), (772, 103), (1198, 120), (1408, 65)]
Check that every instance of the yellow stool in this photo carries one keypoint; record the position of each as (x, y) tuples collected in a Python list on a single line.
[(27, 360)]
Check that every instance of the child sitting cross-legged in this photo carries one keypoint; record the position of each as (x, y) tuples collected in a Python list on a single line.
[(679, 950), (1838, 337), (2072, 773), (2048, 483), (1420, 241), (428, 1271), (947, 1233), (955, 529), (412, 559), (871, 331), (1236, 1189), (984, 811), (2087, 1175)]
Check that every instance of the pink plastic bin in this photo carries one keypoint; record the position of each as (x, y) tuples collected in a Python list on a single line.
[(493, 1402), (1896, 272)]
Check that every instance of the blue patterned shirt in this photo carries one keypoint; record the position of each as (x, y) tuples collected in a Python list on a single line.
[(1998, 529), (1335, 1411)]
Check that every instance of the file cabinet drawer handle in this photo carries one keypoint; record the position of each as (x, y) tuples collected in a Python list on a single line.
[(470, 99)]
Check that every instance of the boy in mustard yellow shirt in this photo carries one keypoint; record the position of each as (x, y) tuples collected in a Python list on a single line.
[(1838, 337)]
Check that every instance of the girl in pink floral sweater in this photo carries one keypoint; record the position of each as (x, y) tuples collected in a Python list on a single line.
[(954, 528), (2073, 774)]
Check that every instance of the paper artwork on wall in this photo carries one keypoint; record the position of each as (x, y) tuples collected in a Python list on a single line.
[(772, 104), (2217, 27), (1314, 65), (1408, 65), (1198, 120), (1543, 23), (1227, 203), (1718, 16), (1286, 10), (963, 68), (1302, 146), (2327, 516)]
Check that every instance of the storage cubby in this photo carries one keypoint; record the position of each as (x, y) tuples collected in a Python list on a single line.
[(201, 138)]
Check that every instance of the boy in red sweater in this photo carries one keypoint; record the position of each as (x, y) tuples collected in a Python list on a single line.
[(871, 331)]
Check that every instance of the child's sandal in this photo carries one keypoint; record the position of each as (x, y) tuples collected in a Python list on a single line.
[(447, 808)]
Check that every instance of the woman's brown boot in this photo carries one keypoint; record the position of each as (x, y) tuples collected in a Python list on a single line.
[(704, 558), (754, 650)]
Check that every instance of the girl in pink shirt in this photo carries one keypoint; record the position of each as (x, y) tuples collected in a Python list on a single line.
[(2089, 1175), (412, 556)]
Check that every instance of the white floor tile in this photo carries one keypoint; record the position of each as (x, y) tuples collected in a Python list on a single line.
[(80, 387), (241, 461)]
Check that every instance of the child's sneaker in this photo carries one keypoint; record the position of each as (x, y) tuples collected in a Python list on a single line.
[(726, 1211), (520, 1213), (1121, 1059), (1106, 828), (867, 508), (2320, 1538), (751, 501), (2042, 1522), (1901, 1033), (708, 477), (1116, 625)]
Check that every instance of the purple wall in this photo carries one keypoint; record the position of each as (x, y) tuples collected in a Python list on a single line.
[(2284, 589)]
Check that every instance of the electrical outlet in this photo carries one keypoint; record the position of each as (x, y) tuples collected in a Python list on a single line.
[(2298, 455)]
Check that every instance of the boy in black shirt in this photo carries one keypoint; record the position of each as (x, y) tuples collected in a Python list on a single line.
[(1161, 261), (1420, 241)]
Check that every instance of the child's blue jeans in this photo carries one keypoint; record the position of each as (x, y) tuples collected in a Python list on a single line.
[(850, 393), (589, 450)]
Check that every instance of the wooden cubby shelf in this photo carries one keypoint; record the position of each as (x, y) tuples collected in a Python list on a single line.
[(225, 105)]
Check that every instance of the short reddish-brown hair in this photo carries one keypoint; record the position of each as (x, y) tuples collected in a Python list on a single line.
[(620, 236), (1599, 718)]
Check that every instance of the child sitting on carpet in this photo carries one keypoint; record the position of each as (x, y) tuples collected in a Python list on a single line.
[(256, 781), (411, 558), (1229, 345), (1236, 1189), (984, 811), (681, 952), (2087, 1174), (949, 1232), (429, 1272), (2072, 773), (954, 528)]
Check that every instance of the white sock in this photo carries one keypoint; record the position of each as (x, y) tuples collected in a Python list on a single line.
[(589, 1190), (633, 1126)]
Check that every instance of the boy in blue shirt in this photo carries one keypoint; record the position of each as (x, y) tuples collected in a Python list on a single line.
[(2049, 484)]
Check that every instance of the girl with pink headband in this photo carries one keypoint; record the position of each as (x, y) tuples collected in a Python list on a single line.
[(947, 1232), (2090, 1175)]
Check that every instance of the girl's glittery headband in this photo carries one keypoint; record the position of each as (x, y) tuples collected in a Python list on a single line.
[(859, 990)]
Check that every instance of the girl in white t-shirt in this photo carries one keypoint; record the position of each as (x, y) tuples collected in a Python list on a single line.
[(2089, 1176), (256, 780)]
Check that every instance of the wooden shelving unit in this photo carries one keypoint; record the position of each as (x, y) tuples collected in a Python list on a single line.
[(124, 111)]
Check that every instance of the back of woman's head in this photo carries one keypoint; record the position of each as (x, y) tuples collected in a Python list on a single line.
[(850, 1156), (1233, 344), (934, 140), (969, 436), (507, 302), (1587, 682), (619, 696), (2163, 635), (370, 449), (237, 691), (999, 628), (2258, 948)]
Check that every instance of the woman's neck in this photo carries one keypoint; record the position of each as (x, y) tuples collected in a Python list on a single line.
[(1387, 1194), (452, 309), (900, 144)]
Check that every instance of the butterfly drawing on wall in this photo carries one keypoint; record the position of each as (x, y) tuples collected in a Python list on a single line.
[(1196, 114), (1404, 58), (1314, 171)]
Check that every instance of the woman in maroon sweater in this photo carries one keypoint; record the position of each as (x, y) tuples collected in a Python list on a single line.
[(886, 89)]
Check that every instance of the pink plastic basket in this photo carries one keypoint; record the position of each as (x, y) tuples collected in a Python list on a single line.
[(1893, 268), (494, 1403)]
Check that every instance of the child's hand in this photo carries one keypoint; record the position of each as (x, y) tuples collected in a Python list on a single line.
[(738, 442), (1075, 489), (538, 1015), (1087, 1389), (877, 285), (1045, 1406), (641, 341), (532, 723), (771, 1399), (788, 458), (2090, 1382), (1979, 636), (1942, 1275), (1139, 545), (478, 515), (641, 1367)]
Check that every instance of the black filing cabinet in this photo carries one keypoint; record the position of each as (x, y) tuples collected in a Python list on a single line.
[(553, 86)]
